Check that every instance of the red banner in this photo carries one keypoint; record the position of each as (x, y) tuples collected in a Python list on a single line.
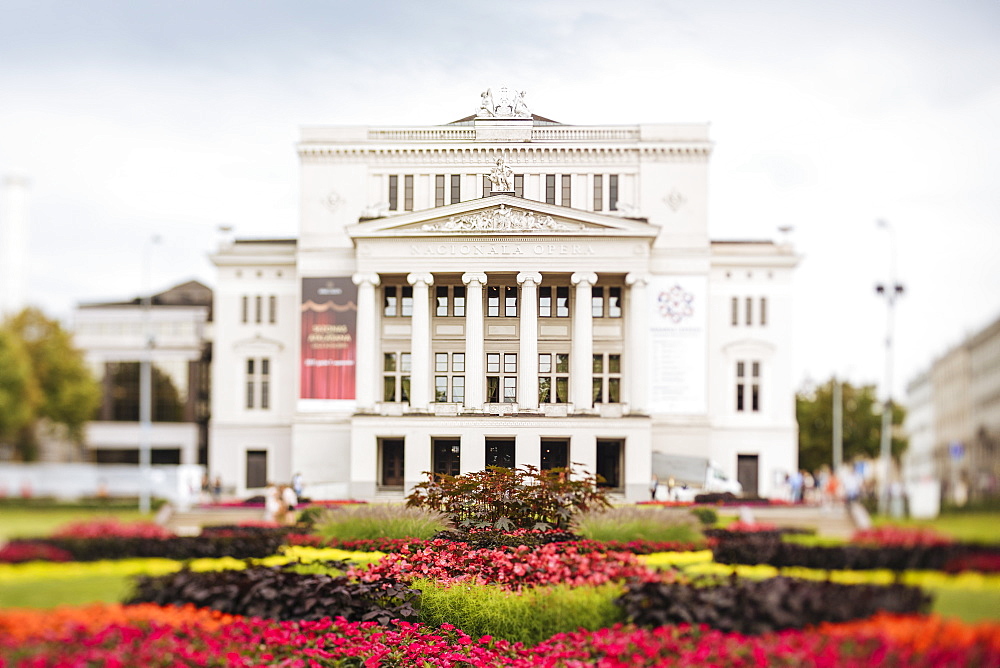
[(329, 327)]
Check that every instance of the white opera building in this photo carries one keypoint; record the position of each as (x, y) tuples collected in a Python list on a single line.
[(500, 290)]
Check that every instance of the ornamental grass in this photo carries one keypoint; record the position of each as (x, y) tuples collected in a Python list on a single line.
[(634, 523), (379, 522)]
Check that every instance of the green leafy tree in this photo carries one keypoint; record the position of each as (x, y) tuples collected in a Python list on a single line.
[(19, 393), (862, 425), (67, 393)]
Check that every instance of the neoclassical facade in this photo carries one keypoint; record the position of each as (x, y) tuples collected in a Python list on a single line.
[(500, 290)]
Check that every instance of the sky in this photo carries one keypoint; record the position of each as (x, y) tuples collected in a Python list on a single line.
[(170, 119)]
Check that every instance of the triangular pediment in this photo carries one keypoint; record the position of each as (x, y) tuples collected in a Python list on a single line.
[(501, 215)]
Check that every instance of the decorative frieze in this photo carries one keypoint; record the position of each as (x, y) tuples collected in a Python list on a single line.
[(501, 219)]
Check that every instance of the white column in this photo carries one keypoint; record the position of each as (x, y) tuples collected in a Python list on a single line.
[(475, 379), (420, 342), (365, 365), (583, 343), (527, 381), (637, 343)]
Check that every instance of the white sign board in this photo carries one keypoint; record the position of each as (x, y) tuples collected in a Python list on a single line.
[(678, 341)]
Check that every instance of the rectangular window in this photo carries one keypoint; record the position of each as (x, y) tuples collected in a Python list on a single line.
[(441, 302), (408, 192), (510, 302), (487, 185), (258, 303), (597, 302), (740, 379), (755, 387), (550, 188), (439, 190), (606, 386), (458, 301), (544, 302), (562, 301), (265, 383), (458, 389), (614, 302), (763, 311), (246, 309), (598, 192), (492, 301), (456, 189), (406, 301), (501, 383), (440, 361), (553, 378), (393, 192), (440, 388), (250, 384), (735, 315), (396, 377), (519, 185), (500, 452), (390, 305), (391, 456), (272, 309), (566, 198), (749, 310), (613, 192), (446, 458)]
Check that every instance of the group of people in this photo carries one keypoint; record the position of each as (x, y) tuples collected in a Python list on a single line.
[(280, 501)]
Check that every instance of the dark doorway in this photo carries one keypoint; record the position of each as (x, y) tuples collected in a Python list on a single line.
[(447, 456), (609, 462), (256, 468), (555, 453), (391, 455), (500, 452), (746, 474)]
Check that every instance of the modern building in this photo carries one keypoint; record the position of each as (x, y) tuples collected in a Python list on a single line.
[(172, 327), (502, 290), (953, 420)]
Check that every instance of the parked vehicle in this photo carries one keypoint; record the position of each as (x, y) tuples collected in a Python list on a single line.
[(682, 477)]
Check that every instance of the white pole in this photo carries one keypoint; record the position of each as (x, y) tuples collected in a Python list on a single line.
[(891, 291), (146, 385)]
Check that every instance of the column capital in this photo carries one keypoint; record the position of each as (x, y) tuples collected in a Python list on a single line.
[(529, 276), (634, 278), (365, 279), (426, 278), (474, 277), (587, 277)]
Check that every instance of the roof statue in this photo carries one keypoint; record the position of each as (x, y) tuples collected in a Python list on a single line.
[(506, 104), (502, 177)]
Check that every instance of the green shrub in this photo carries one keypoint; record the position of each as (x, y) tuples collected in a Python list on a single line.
[(530, 616), (707, 516), (370, 521), (629, 523), (509, 499)]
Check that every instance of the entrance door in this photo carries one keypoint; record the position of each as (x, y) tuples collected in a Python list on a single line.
[(392, 462), (746, 474), (447, 456), (609, 462), (555, 453), (500, 452)]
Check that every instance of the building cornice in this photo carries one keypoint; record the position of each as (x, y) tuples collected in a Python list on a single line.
[(513, 154)]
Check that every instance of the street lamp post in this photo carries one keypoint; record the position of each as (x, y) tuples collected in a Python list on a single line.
[(146, 385), (891, 291)]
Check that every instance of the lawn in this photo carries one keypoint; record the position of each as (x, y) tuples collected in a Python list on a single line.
[(981, 527), (21, 522)]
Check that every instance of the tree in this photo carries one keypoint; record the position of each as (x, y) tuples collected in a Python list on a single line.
[(19, 393), (67, 393), (862, 425)]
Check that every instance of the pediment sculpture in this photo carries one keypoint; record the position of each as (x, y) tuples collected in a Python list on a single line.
[(501, 219)]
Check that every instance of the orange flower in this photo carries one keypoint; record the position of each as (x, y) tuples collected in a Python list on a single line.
[(920, 632)]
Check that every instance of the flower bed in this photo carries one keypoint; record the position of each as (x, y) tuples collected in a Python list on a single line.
[(150, 635), (513, 568)]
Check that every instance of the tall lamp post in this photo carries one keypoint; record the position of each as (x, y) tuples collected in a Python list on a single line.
[(891, 291), (146, 384)]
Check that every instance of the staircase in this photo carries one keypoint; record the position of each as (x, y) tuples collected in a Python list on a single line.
[(190, 522)]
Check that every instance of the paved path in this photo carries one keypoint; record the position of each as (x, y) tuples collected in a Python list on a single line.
[(833, 521)]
